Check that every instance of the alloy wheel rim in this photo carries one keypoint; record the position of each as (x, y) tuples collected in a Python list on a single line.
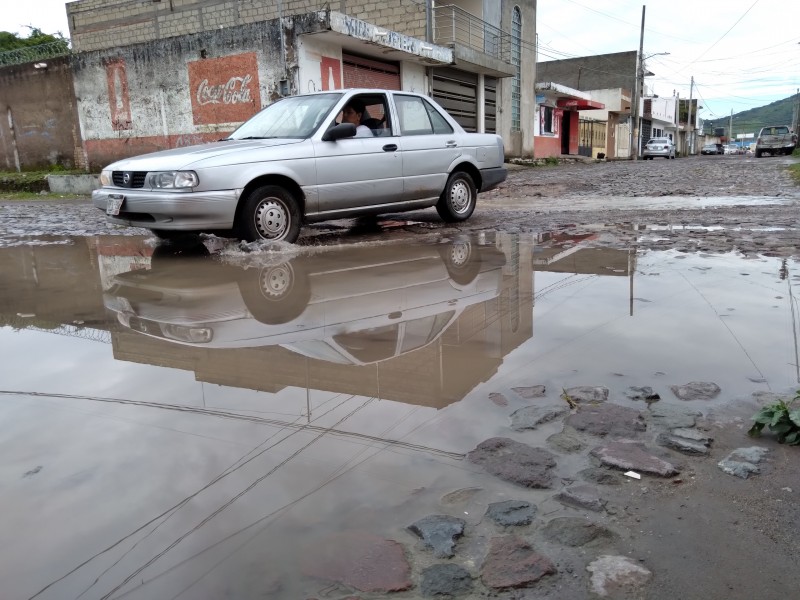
[(459, 254), (272, 219)]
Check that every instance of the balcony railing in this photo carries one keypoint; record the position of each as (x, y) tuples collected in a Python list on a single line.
[(453, 25)]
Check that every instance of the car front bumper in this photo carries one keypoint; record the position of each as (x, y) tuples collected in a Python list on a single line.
[(176, 211)]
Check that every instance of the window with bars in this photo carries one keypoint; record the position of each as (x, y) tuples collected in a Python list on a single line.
[(516, 59)]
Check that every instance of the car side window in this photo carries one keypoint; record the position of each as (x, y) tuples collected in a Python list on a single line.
[(440, 124), (414, 118)]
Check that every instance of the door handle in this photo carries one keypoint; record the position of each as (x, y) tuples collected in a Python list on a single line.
[(451, 144), (390, 147)]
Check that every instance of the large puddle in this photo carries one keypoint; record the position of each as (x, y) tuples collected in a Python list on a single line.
[(198, 423)]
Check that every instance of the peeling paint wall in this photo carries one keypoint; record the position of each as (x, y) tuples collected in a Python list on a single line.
[(38, 117), (184, 90)]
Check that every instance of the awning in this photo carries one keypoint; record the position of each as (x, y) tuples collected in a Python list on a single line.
[(579, 104)]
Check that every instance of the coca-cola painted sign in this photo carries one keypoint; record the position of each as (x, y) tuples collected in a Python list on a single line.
[(224, 90)]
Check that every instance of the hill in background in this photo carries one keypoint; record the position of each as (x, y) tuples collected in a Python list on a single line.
[(779, 112)]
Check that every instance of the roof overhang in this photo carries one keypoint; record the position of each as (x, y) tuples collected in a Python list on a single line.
[(366, 39), (579, 104), (567, 97)]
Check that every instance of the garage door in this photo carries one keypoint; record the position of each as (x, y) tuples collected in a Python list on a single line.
[(361, 72), (457, 92)]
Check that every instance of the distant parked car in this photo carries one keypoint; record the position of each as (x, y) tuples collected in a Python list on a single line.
[(733, 149), (314, 157), (774, 140), (659, 146), (712, 149)]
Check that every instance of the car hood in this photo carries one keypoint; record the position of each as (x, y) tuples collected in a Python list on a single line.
[(189, 156)]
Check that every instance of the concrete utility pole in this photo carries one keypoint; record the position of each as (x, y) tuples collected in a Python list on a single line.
[(637, 84), (690, 123)]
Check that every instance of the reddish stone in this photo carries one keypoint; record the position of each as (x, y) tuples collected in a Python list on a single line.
[(513, 563), (361, 561)]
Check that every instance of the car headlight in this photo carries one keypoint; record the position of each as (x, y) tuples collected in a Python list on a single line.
[(183, 333), (172, 179), (105, 178)]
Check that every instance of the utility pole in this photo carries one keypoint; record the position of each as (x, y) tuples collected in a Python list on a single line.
[(730, 129), (690, 123), (636, 86)]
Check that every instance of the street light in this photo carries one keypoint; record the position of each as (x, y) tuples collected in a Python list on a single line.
[(639, 84)]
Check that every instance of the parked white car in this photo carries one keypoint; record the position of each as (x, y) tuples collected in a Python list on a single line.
[(298, 161), (660, 146)]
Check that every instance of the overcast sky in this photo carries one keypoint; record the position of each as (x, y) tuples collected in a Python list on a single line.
[(741, 53)]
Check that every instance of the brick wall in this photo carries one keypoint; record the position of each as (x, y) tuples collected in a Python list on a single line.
[(98, 24)]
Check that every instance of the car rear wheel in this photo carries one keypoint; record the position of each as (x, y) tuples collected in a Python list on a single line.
[(270, 213), (458, 199)]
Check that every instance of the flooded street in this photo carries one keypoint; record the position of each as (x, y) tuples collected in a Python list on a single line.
[(197, 437), (341, 419)]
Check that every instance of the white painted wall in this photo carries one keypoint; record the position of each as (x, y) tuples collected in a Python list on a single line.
[(413, 78), (311, 49)]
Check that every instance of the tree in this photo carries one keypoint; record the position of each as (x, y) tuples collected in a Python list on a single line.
[(36, 37)]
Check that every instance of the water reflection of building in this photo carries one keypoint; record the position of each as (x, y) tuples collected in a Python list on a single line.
[(468, 351)]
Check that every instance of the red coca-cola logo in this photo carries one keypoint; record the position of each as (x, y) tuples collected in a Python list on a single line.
[(224, 90), (235, 91)]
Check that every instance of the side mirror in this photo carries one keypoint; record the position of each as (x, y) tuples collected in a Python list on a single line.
[(337, 132)]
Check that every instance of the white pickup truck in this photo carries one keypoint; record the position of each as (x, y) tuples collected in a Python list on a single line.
[(775, 139)]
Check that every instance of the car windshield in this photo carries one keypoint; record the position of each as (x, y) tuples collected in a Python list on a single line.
[(295, 117)]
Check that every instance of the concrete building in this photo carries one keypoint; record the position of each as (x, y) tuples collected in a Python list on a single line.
[(149, 76)]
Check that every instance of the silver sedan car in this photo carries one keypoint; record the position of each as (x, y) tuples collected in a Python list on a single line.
[(303, 159), (660, 146)]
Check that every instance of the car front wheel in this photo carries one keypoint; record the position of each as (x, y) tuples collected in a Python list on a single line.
[(270, 213), (458, 199)]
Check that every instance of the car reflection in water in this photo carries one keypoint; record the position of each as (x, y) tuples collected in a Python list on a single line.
[(350, 307)]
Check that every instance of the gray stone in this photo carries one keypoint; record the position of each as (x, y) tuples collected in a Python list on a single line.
[(576, 531), (738, 468), (696, 390), (530, 392), (743, 462), (600, 476), (582, 496), (617, 577), (629, 455), (693, 434), (445, 581), (531, 416), (669, 416), (607, 420), (752, 454), (645, 393), (512, 563), (515, 462), (498, 399), (511, 512), (683, 445), (566, 441), (439, 532), (584, 394)]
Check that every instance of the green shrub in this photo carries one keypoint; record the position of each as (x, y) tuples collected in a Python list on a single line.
[(781, 420)]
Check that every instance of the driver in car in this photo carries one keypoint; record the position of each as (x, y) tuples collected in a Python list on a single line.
[(355, 113)]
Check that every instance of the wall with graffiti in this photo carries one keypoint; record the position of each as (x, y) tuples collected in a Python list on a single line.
[(177, 92)]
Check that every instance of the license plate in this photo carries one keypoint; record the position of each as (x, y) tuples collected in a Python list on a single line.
[(114, 204)]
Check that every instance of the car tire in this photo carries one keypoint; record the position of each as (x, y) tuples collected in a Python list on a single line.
[(458, 199), (269, 213), (462, 261), (275, 294), (758, 153)]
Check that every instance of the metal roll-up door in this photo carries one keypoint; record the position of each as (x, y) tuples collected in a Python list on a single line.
[(457, 92), (358, 72)]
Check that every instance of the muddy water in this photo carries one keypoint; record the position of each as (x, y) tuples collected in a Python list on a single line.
[(192, 423)]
